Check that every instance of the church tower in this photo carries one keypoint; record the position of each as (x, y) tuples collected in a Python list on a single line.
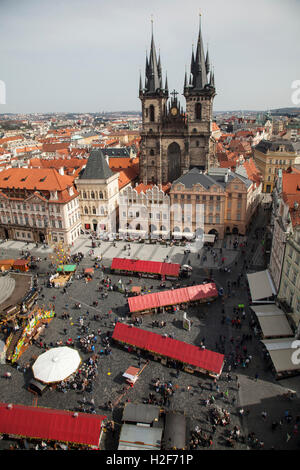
[(199, 92), (174, 141), (154, 99)]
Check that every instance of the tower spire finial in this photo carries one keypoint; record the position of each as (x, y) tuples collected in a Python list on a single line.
[(152, 25)]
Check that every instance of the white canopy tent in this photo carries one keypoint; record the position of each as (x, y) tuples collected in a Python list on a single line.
[(56, 364), (273, 321), (261, 285)]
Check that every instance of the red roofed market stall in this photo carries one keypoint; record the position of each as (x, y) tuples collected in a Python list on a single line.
[(193, 358), (158, 301), (51, 425), (155, 268)]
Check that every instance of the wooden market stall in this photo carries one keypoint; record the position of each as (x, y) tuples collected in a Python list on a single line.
[(63, 275), (51, 425), (155, 269), (169, 351), (158, 302)]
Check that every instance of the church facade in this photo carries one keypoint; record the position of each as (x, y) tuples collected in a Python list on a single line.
[(174, 141)]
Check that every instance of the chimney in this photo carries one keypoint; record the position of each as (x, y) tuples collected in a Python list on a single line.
[(61, 170), (226, 177)]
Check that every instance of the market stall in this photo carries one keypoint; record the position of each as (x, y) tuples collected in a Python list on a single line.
[(131, 375), (51, 425), (89, 272), (191, 358), (169, 300), (145, 268), (19, 340), (64, 275)]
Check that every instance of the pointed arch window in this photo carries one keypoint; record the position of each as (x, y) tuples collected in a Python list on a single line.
[(198, 111), (152, 113), (86, 211)]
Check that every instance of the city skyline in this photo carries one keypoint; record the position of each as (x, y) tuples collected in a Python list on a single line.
[(86, 56)]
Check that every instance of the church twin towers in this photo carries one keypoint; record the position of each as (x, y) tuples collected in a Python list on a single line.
[(174, 141)]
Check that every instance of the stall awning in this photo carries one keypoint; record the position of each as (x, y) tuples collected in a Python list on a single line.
[(281, 353), (67, 268), (49, 424), (172, 297), (273, 321), (141, 266), (168, 347), (261, 285), (208, 238), (183, 234)]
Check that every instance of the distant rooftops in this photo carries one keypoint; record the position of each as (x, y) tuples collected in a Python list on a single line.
[(274, 146)]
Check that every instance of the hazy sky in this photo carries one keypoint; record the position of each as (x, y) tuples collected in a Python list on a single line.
[(85, 55)]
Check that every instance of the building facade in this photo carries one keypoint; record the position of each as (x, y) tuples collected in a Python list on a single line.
[(219, 199), (98, 189), (144, 211), (271, 156), (38, 205), (173, 141)]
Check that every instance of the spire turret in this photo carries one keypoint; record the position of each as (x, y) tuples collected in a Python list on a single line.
[(153, 69)]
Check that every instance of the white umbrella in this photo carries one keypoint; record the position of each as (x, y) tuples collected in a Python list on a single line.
[(56, 364)]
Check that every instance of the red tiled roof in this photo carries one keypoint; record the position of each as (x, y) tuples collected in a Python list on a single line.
[(291, 195), (144, 187), (46, 179)]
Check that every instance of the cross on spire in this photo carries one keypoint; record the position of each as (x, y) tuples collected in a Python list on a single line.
[(174, 93)]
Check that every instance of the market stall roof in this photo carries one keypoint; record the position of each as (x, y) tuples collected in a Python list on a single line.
[(136, 289), (140, 413), (89, 270), (169, 347), (20, 262), (134, 437), (272, 320), (50, 424), (131, 373), (56, 364), (151, 267), (261, 285), (172, 297), (281, 354), (7, 262), (67, 268)]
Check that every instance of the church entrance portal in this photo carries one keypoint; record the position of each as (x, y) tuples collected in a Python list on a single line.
[(174, 155)]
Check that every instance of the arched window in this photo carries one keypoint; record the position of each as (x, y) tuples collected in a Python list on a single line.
[(86, 211), (153, 162), (92, 195), (100, 195), (152, 114), (197, 143), (84, 195), (198, 110), (151, 152), (94, 210)]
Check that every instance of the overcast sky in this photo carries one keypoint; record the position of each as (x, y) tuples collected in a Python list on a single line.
[(85, 55)]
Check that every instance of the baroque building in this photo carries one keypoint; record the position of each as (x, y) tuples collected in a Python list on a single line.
[(174, 141)]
